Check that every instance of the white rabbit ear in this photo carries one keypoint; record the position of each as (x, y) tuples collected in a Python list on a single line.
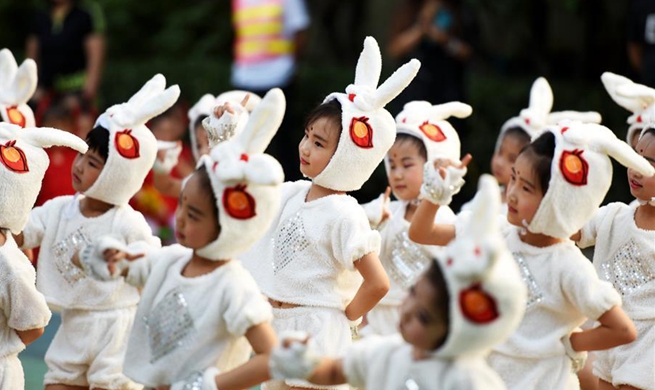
[(264, 122), (541, 98), (619, 150), (485, 208), (397, 82), (46, 137), (640, 93), (24, 84), (156, 103), (153, 86), (612, 82), (369, 65), (586, 117), (456, 109), (8, 68)]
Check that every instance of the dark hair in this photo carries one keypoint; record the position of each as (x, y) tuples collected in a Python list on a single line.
[(198, 121), (417, 142), (442, 303), (206, 185), (330, 110), (541, 152), (98, 141), (518, 134), (648, 130)]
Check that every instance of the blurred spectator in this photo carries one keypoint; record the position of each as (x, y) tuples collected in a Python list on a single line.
[(641, 40), (67, 42)]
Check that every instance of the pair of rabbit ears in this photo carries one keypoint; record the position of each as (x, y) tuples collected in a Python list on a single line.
[(17, 84), (628, 94), (364, 92), (43, 137), (540, 104), (436, 112), (151, 100)]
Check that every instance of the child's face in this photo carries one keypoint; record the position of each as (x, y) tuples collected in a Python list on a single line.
[(420, 324), (524, 193), (86, 169), (504, 158), (317, 146), (642, 187), (201, 139), (405, 172), (196, 224)]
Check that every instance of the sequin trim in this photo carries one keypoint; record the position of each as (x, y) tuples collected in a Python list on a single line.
[(629, 269), (289, 243), (535, 295), (64, 251), (407, 262), (193, 381), (168, 324)]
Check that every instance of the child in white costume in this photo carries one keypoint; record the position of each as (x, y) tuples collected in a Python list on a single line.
[(624, 237), (471, 298), (17, 85), (557, 183), (423, 134), (121, 154), (23, 310), (309, 263), (198, 302)]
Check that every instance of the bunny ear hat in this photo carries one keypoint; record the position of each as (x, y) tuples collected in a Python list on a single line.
[(534, 118), (132, 146), (581, 174), (23, 163), (245, 181), (636, 98), (487, 294), (206, 105), (17, 85), (429, 124), (368, 130)]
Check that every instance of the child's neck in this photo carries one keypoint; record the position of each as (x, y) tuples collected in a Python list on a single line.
[(199, 266), (645, 217), (410, 210), (316, 192), (90, 207), (537, 239)]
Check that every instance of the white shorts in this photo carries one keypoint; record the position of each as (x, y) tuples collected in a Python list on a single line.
[(631, 364), (11, 373), (382, 320), (328, 327), (534, 374), (89, 348)]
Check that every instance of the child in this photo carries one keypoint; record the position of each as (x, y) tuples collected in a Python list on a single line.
[(423, 134), (471, 298), (23, 310), (198, 302), (557, 183), (96, 316), (625, 256), (309, 263), (17, 85)]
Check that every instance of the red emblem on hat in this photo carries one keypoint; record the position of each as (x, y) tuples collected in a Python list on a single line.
[(126, 144), (574, 167), (13, 157), (432, 131), (477, 306), (238, 203), (15, 116), (361, 132)]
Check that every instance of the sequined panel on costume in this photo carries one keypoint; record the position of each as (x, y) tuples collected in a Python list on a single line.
[(290, 241), (408, 260), (629, 269), (168, 324), (193, 381), (535, 295), (64, 251), (410, 384)]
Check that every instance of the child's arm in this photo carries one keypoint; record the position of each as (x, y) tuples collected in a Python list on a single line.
[(423, 230), (27, 336), (372, 290), (615, 329)]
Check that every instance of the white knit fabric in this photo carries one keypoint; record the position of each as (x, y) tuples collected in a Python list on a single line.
[(387, 363), (11, 373), (60, 229), (17, 85), (625, 256), (367, 129), (636, 98), (132, 146), (307, 255), (22, 307), (190, 324)]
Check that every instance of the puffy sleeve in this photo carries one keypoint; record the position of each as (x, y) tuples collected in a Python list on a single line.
[(246, 306), (36, 225), (352, 237), (589, 231), (134, 228), (25, 308)]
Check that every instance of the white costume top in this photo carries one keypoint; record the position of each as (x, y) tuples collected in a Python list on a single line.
[(386, 363), (60, 229), (306, 257), (624, 256), (22, 307), (399, 253), (185, 324)]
